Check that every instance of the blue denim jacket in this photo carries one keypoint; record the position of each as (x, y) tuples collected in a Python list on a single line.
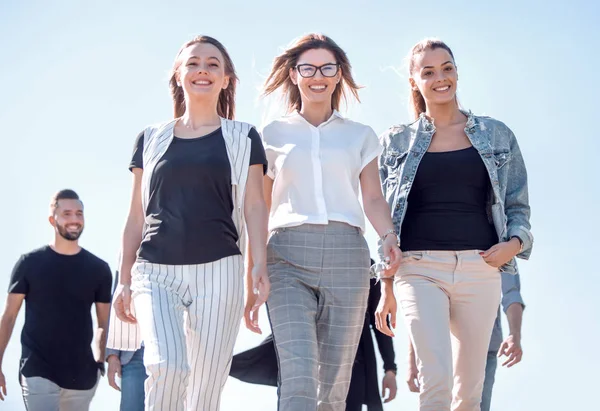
[(511, 294), (508, 200)]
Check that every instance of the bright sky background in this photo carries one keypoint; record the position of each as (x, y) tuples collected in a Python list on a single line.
[(80, 79)]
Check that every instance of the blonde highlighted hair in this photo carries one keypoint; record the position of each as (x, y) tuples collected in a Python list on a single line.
[(279, 76)]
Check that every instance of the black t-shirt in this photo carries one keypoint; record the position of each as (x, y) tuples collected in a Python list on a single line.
[(190, 205), (59, 292), (447, 204)]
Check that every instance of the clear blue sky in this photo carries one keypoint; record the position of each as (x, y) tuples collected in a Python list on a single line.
[(80, 79)]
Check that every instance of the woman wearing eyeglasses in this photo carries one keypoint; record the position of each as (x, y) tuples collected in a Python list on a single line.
[(317, 257)]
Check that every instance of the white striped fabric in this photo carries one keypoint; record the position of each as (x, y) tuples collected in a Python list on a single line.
[(157, 138), (189, 316), (121, 336)]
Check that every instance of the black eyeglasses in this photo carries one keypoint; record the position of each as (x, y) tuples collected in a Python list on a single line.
[(308, 70)]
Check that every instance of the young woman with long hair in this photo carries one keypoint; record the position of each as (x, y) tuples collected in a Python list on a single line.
[(198, 185), (318, 259), (457, 187)]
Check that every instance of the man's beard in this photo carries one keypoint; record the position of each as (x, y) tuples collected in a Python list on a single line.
[(70, 236)]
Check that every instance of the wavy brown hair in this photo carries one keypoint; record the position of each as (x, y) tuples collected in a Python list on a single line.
[(280, 72), (416, 100), (226, 103)]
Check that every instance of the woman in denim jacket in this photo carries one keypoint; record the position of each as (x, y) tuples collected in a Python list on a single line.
[(457, 187)]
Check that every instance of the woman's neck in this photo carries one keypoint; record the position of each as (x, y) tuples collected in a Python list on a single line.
[(445, 114), (199, 114), (316, 113)]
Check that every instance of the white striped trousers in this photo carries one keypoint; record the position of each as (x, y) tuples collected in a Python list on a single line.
[(189, 317)]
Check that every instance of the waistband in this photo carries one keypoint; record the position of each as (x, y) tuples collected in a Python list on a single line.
[(140, 262), (333, 227), (441, 253)]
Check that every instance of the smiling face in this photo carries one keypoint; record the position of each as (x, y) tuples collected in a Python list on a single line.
[(201, 71), (319, 88), (435, 76), (67, 219)]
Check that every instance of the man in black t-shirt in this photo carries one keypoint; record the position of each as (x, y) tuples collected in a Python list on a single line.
[(59, 283)]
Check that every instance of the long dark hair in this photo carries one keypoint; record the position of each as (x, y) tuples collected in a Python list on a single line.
[(226, 103), (282, 64)]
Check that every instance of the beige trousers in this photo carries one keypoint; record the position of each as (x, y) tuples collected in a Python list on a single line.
[(449, 300)]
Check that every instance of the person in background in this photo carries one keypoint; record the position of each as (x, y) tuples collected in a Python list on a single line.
[(59, 283), (363, 385), (513, 306), (127, 362)]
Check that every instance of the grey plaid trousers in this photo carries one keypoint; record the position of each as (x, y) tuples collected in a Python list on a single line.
[(319, 288)]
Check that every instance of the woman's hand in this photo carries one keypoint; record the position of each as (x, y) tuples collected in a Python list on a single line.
[(122, 304), (256, 296), (501, 253), (391, 253)]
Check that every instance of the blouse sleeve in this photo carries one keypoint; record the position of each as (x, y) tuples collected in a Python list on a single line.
[(371, 148)]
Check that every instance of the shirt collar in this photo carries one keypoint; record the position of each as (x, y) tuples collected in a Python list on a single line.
[(335, 114)]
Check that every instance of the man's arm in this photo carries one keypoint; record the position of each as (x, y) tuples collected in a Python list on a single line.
[(514, 314), (511, 291), (9, 317), (513, 306), (7, 324), (102, 300), (102, 312)]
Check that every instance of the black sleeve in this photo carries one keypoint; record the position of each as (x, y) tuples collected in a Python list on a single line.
[(137, 160), (384, 342), (103, 292), (257, 153), (18, 279)]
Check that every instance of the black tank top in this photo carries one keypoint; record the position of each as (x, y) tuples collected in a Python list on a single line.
[(447, 204)]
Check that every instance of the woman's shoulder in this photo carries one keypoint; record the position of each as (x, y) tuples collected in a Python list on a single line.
[(399, 132), (234, 125), (282, 121), (278, 127), (152, 129), (358, 127), (483, 123)]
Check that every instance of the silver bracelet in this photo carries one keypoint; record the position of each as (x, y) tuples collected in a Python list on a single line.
[(388, 232)]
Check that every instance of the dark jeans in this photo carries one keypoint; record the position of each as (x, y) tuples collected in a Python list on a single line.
[(490, 377), (133, 375)]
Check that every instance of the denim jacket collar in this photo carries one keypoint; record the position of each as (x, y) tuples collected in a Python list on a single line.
[(429, 124)]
